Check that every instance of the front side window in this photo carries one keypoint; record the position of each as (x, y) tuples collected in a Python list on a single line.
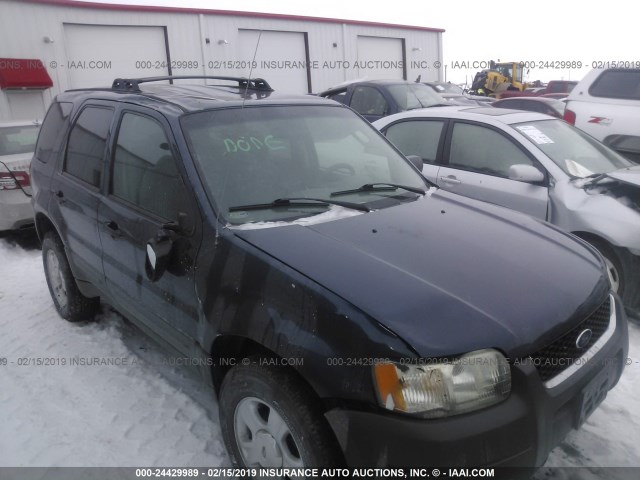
[(576, 153), (255, 155), (368, 101), (417, 137), (484, 150), (144, 169), (87, 142)]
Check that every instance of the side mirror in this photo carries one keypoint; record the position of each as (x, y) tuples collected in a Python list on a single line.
[(525, 173), (416, 161), (158, 255)]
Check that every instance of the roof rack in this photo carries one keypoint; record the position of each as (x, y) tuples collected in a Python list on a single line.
[(133, 84)]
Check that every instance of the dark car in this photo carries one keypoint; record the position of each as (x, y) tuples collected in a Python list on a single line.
[(548, 106), (346, 311), (374, 99)]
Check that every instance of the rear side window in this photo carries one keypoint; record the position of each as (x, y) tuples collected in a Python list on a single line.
[(418, 137), (87, 143), (54, 125), (623, 84), (144, 169)]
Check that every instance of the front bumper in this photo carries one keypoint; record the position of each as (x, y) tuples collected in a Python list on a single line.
[(15, 210), (519, 432)]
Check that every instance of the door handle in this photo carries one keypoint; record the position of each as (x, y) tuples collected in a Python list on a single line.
[(451, 180), (114, 229)]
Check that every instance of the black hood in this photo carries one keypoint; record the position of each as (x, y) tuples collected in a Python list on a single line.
[(449, 274)]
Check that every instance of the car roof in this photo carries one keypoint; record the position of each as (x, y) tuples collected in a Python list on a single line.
[(549, 100), (487, 114), (188, 97), (381, 81)]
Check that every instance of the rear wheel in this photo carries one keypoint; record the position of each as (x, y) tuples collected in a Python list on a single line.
[(68, 300), (270, 419)]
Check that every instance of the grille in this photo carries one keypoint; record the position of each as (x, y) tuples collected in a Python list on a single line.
[(561, 354)]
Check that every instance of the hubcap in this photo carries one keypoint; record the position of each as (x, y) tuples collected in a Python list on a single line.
[(55, 278), (614, 276), (263, 437)]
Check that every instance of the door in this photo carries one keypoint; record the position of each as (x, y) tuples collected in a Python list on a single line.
[(146, 192), (422, 138), (478, 164), (381, 57), (76, 192)]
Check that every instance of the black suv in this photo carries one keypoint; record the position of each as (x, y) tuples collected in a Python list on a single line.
[(346, 311)]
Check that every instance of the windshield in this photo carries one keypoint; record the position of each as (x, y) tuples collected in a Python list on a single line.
[(410, 96), (256, 155), (575, 152), (15, 140)]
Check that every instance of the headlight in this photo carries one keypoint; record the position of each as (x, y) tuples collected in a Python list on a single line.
[(470, 382)]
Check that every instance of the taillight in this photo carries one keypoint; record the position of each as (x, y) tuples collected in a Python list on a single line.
[(569, 116), (8, 180)]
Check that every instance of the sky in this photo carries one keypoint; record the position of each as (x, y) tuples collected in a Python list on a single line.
[(536, 31)]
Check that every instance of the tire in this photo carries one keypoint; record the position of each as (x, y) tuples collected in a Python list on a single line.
[(615, 268), (277, 420), (69, 302)]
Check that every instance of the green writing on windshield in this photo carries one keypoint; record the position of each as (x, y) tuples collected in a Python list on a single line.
[(248, 144)]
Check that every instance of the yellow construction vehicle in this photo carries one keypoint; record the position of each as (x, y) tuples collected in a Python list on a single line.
[(500, 76)]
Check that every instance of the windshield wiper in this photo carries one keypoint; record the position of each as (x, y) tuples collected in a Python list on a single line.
[(379, 187), (299, 202)]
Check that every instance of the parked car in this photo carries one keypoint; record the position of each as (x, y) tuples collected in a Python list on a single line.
[(374, 99), (548, 106), (537, 165), (606, 105), (346, 311), (17, 142)]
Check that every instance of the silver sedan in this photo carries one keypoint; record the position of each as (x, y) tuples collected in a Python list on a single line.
[(535, 164)]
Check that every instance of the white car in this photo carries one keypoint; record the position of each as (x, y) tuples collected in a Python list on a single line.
[(606, 105), (535, 164), (17, 144)]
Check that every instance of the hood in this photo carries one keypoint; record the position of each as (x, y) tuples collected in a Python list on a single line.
[(449, 274), (629, 175)]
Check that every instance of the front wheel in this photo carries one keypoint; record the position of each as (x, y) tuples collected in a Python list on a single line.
[(270, 419)]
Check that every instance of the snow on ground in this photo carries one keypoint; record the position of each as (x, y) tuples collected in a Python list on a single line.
[(146, 412)]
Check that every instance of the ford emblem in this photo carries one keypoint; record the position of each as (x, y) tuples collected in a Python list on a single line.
[(584, 338)]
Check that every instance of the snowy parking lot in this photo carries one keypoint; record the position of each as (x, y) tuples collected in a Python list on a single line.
[(143, 411)]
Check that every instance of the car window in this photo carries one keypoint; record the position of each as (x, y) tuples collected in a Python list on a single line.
[(87, 142), (18, 139), (410, 96), (338, 97), (368, 101), (54, 125), (481, 149), (144, 169), (617, 84), (417, 137), (575, 152)]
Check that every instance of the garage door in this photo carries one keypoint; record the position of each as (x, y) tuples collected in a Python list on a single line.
[(97, 54), (381, 57), (281, 58)]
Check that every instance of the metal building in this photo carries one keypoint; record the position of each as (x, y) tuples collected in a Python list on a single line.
[(48, 46)]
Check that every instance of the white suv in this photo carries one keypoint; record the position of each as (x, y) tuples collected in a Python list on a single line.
[(606, 105)]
